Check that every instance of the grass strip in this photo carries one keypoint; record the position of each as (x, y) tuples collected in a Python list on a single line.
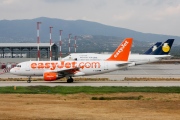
[(118, 98), (85, 89)]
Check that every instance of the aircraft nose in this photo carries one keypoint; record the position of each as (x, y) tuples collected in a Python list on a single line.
[(12, 71)]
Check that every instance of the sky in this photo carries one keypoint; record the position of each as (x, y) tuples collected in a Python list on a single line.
[(147, 16)]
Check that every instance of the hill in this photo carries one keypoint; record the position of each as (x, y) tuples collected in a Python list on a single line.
[(25, 30), (92, 36)]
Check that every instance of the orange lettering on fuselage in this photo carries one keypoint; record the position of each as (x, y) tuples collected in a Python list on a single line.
[(33, 65), (53, 66), (40, 65), (63, 64), (67, 65), (47, 65)]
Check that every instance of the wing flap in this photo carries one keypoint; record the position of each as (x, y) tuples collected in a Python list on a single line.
[(123, 64), (63, 70)]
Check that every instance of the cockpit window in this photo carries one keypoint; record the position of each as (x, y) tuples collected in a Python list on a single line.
[(18, 65)]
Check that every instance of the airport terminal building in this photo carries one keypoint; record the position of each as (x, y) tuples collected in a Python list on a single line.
[(19, 52)]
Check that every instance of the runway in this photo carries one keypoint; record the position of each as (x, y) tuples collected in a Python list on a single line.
[(93, 83), (116, 78)]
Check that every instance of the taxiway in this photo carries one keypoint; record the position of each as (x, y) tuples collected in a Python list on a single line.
[(116, 78)]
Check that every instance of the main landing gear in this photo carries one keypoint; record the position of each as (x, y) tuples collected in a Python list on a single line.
[(70, 80), (29, 79)]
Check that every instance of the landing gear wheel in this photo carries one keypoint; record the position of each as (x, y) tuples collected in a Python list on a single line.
[(29, 79), (70, 80)]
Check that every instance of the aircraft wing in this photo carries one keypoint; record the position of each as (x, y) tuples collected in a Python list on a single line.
[(123, 64), (63, 70)]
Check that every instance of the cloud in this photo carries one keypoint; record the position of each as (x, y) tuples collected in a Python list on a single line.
[(172, 10), (8, 2), (60, 1), (150, 2), (123, 17), (165, 12), (141, 15)]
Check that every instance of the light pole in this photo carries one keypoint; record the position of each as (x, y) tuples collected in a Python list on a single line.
[(60, 45), (38, 40), (69, 43), (50, 51)]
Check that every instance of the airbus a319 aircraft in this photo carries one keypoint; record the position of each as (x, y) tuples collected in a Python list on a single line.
[(53, 70)]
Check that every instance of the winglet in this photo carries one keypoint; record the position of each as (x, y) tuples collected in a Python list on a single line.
[(122, 52), (164, 48)]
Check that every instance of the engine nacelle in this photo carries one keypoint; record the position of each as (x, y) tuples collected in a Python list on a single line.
[(51, 76)]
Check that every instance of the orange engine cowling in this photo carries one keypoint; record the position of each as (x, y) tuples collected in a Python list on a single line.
[(50, 76)]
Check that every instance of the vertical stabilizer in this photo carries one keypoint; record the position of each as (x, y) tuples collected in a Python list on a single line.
[(123, 51), (164, 48), (153, 48)]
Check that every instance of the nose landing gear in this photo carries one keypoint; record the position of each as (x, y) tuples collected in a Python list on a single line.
[(29, 79)]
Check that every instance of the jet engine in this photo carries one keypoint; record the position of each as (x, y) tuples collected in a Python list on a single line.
[(51, 76)]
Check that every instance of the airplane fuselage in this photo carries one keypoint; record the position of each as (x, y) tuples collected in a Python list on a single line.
[(37, 68), (136, 59)]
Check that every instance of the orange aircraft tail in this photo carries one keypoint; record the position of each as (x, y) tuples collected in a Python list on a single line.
[(123, 51)]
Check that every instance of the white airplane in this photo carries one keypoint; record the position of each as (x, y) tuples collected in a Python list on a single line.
[(135, 59), (53, 70)]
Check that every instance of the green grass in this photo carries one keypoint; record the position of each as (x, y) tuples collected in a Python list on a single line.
[(85, 89)]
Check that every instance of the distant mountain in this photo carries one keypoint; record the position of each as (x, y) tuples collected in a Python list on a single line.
[(25, 30)]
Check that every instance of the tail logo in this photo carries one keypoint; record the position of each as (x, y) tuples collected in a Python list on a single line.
[(165, 47), (121, 49), (154, 48)]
